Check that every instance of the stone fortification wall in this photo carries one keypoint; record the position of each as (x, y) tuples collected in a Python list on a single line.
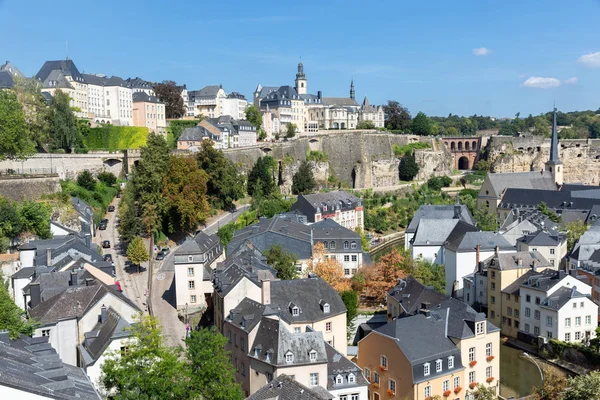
[(581, 157), (19, 188)]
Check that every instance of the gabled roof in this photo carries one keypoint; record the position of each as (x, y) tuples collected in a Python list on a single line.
[(411, 294), (100, 337), (285, 388), (11, 69), (55, 282), (309, 295), (310, 204), (434, 232), (139, 83), (521, 180), (339, 365), (31, 365), (470, 239), (75, 302), (247, 263), (200, 244), (517, 260), (6, 80), (439, 212), (561, 297), (143, 97), (543, 238), (247, 314), (206, 92), (340, 101), (65, 67)]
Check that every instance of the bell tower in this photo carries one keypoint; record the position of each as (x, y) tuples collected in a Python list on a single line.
[(554, 165), (301, 83)]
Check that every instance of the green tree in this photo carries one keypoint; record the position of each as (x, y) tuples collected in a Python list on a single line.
[(364, 240), (12, 318), (212, 374), (421, 124), (541, 127), (260, 178), (485, 393), (225, 233), (350, 299), (35, 107), (170, 94), (184, 190), (63, 130), (224, 185), (147, 369), (583, 387), (397, 117), (270, 207), (283, 261), (254, 116), (86, 180), (574, 231), (430, 274), (130, 225), (108, 178), (552, 388), (35, 218), (594, 129), (486, 221), (291, 130), (482, 165), (15, 136), (136, 251), (262, 134), (10, 222), (365, 125), (303, 180), (408, 168)]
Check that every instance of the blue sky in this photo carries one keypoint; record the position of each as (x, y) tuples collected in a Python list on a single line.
[(421, 53)]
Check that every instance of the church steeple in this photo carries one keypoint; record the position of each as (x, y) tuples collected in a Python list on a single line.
[(352, 89), (554, 165), (301, 83)]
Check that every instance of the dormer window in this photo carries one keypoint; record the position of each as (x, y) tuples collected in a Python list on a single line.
[(480, 328), (312, 356), (450, 362), (289, 357), (269, 355), (339, 380), (353, 245), (438, 366), (326, 308), (256, 352), (326, 245), (346, 245), (295, 311), (190, 258), (426, 370), (351, 378), (332, 245)]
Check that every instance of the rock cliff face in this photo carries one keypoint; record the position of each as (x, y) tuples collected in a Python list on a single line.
[(28, 188), (320, 172), (360, 160), (581, 158)]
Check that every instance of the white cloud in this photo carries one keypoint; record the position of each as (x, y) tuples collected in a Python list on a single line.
[(590, 60), (571, 81), (542, 83), (481, 51)]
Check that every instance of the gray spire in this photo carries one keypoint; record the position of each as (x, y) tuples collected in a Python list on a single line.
[(554, 144), (300, 74), (352, 89)]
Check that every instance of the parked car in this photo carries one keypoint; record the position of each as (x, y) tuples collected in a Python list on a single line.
[(102, 226), (104, 221), (160, 255), (106, 244), (118, 195), (108, 257), (165, 250), (111, 208)]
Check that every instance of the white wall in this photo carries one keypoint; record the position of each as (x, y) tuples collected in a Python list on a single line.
[(459, 265), (431, 253), (245, 288), (19, 284), (90, 319), (63, 337), (567, 311), (9, 393), (94, 371), (362, 392)]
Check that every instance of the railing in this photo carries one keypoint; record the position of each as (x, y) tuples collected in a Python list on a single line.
[(8, 172)]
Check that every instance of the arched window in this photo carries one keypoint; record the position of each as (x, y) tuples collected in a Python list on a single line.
[(332, 245), (460, 146), (452, 146), (467, 145), (474, 145)]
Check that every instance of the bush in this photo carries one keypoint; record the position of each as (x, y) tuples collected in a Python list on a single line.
[(408, 168), (365, 125), (315, 155), (177, 126), (403, 150), (108, 178), (86, 180), (437, 183)]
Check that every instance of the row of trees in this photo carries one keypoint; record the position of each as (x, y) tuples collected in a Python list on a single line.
[(149, 369)]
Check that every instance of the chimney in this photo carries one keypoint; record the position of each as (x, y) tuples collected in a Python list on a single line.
[(477, 254), (89, 282), (36, 296), (480, 267), (519, 261), (497, 250), (73, 281), (265, 291), (103, 314), (447, 317), (425, 305), (457, 208), (319, 94), (48, 257), (533, 267), (88, 241)]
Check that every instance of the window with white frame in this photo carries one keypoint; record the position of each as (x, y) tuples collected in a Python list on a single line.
[(456, 381), (313, 356), (577, 321), (488, 372), (438, 366), (471, 376), (289, 357), (314, 379), (446, 385), (392, 385), (567, 337), (297, 329), (325, 308), (351, 378), (527, 312), (450, 362), (295, 311), (488, 349), (368, 374), (480, 328), (190, 271), (426, 369), (193, 298), (376, 377), (383, 361), (577, 335), (346, 245), (427, 391), (567, 322), (191, 284), (548, 321), (339, 380), (471, 354), (588, 319)]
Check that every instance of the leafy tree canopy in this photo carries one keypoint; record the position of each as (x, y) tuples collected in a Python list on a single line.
[(254, 116), (408, 168), (291, 130), (168, 93), (63, 130), (16, 140), (260, 179), (303, 180), (283, 261), (421, 125), (86, 180), (136, 251), (397, 117)]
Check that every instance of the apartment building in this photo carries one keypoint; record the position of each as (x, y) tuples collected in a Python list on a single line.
[(206, 101), (63, 75), (110, 100), (550, 244), (148, 111), (344, 208), (234, 105)]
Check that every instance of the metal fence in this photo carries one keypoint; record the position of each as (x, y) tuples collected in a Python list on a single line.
[(28, 171)]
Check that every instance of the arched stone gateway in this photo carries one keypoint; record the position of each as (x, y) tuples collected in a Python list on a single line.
[(463, 163), (113, 165)]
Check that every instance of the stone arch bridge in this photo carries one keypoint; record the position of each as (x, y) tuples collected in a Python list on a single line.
[(465, 151)]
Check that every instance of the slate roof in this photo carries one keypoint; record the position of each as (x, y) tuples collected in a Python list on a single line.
[(522, 180), (6, 80), (272, 337), (338, 364), (139, 83), (247, 314), (506, 261), (11, 69), (55, 282), (66, 249), (65, 67), (534, 216), (31, 365), (56, 79), (411, 294), (264, 91), (587, 244), (422, 339), (247, 263), (561, 297), (74, 302), (329, 230), (139, 97), (438, 212), (99, 338), (200, 244), (206, 92), (470, 239), (434, 232), (340, 101), (541, 280), (542, 238), (278, 230), (308, 295), (310, 204), (462, 319), (556, 200), (285, 388)]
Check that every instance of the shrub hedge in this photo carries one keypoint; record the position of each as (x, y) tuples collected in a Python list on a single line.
[(116, 137)]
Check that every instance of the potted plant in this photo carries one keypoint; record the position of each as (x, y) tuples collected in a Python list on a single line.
[(382, 368), (447, 393), (457, 389), (472, 363), (390, 392), (490, 358), (490, 379), (472, 385), (375, 385)]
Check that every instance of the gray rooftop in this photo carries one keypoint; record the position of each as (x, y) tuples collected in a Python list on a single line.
[(434, 232), (438, 212), (339, 365), (411, 294), (522, 180), (64, 67), (96, 341), (285, 388), (200, 244), (542, 238), (145, 98), (310, 204), (31, 365), (470, 239), (247, 263), (561, 297), (517, 260), (340, 101)]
